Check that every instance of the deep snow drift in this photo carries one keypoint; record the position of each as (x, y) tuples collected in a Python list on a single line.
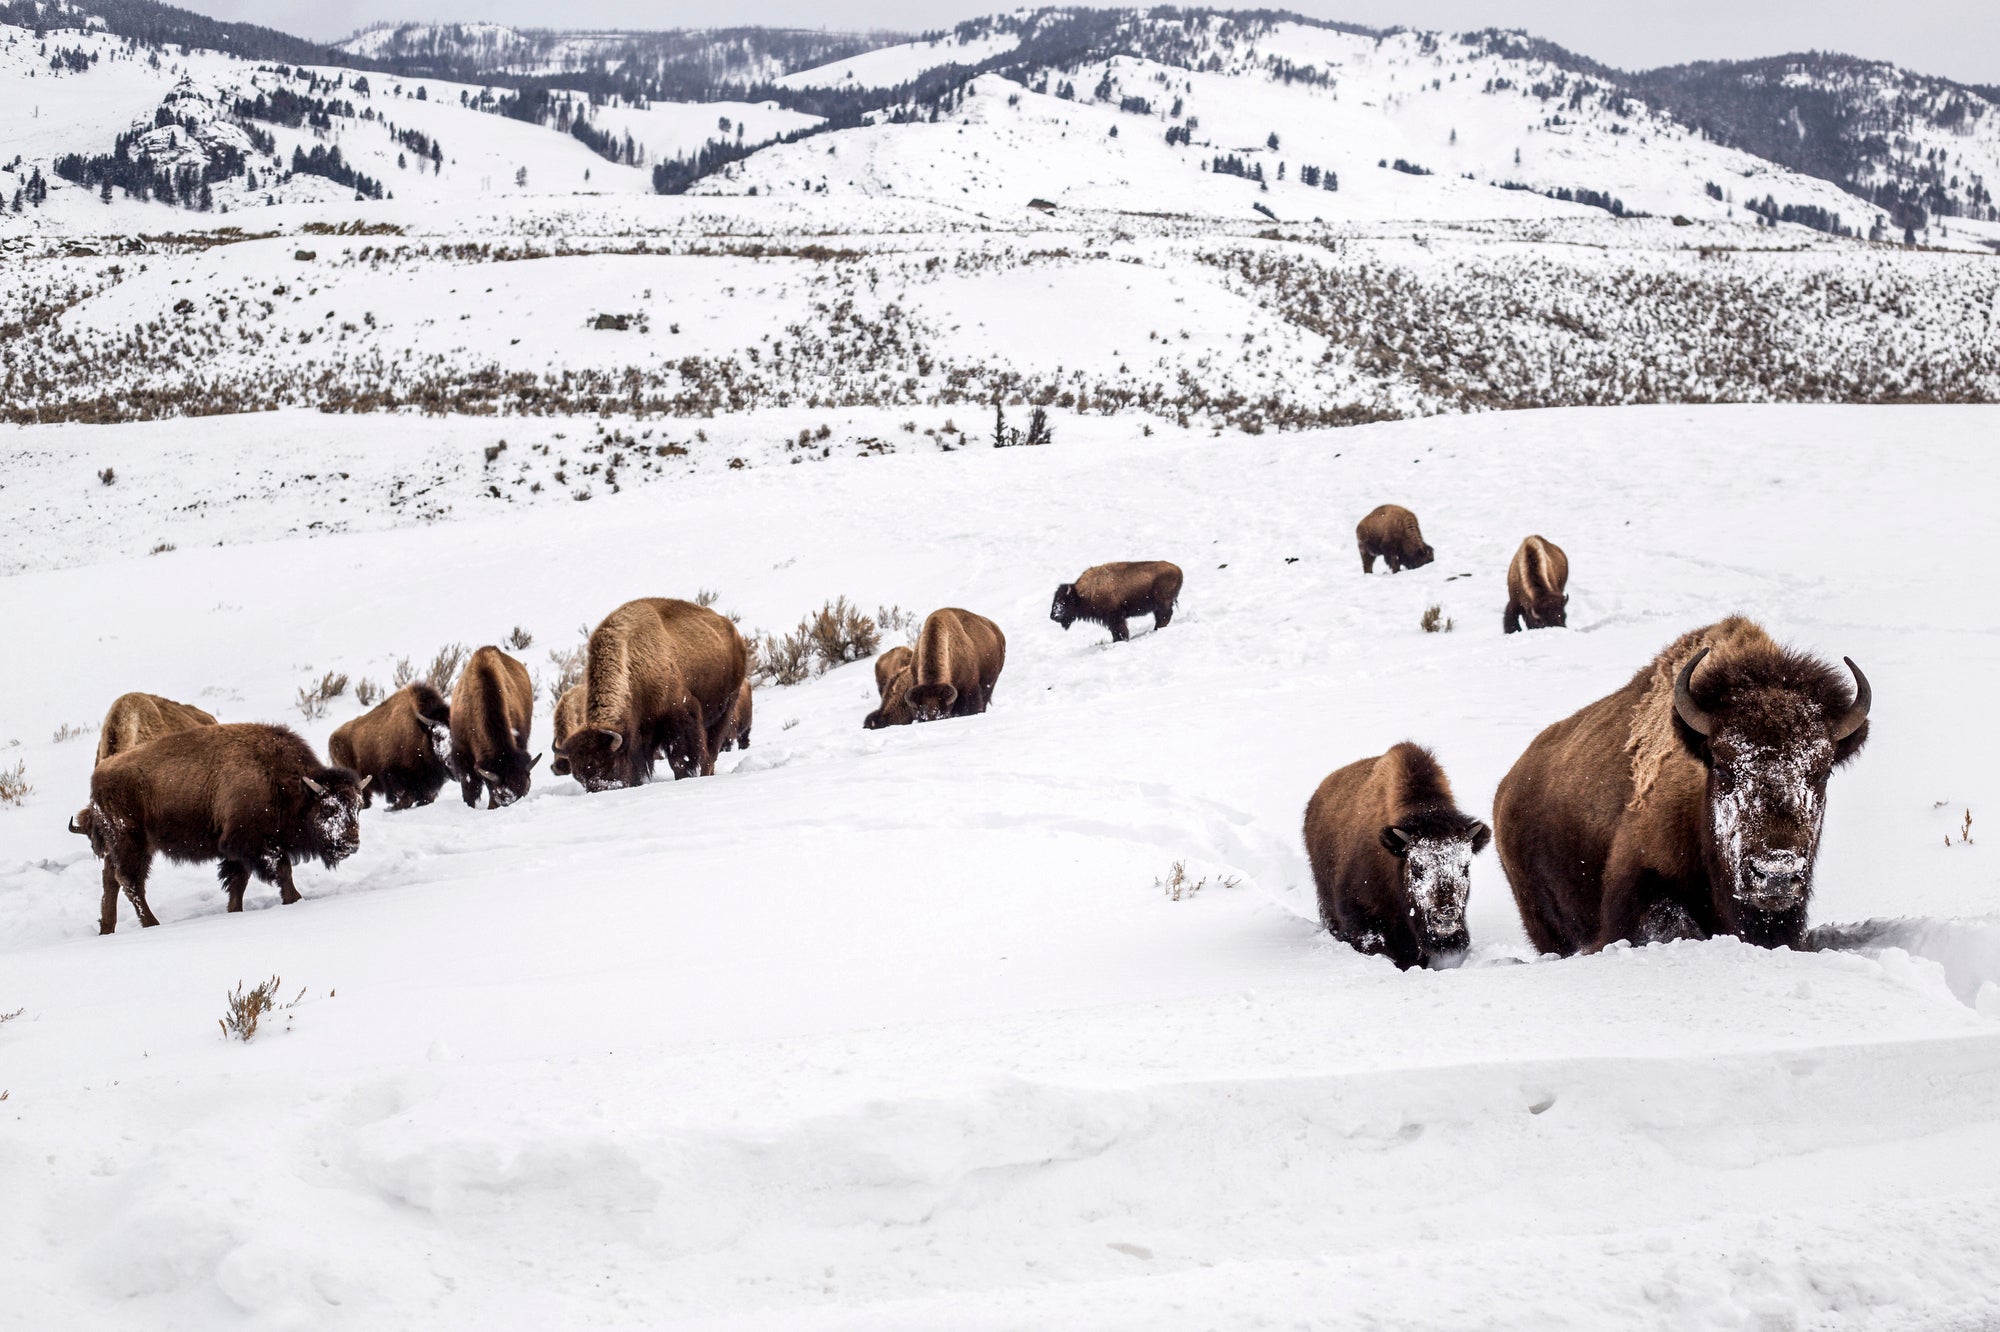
[(897, 1029)]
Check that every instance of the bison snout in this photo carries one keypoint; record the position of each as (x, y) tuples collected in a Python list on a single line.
[(1776, 879)]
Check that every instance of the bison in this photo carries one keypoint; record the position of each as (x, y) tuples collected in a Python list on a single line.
[(1391, 531), (568, 718), (403, 745), (893, 678), (1109, 594), (256, 798), (739, 720), (1392, 857), (492, 711), (958, 659), (136, 718), (662, 677), (1535, 580), (1687, 804)]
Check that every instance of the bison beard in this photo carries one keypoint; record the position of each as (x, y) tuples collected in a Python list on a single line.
[(255, 798), (1690, 803)]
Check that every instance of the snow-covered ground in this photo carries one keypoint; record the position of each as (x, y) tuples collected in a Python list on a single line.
[(896, 1029)]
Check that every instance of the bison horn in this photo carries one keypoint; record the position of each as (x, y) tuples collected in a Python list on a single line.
[(364, 782), (617, 738), (533, 761), (488, 776), (73, 826), (1851, 720), (1701, 723), (314, 786)]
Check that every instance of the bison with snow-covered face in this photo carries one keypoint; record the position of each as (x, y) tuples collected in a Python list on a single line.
[(1110, 594), (402, 745), (1391, 532), (1685, 805), (1536, 577), (662, 677), (256, 798), (492, 710), (1392, 857), (957, 662)]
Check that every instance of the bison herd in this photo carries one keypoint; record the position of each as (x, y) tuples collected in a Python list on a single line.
[(1687, 804)]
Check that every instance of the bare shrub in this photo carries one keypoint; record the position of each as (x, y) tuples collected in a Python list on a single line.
[(519, 639), (247, 1009), (569, 664), (842, 634), (442, 673), (1179, 884), (1434, 621), (66, 733), (708, 596), (163, 548), (14, 785), (108, 476), (9, 1017), (404, 673), (315, 698), (896, 620), (785, 661), (367, 693)]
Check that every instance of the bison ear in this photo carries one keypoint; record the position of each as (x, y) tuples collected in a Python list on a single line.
[(1395, 840), (1481, 835), (313, 786)]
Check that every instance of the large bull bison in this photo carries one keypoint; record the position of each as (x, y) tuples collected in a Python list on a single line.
[(893, 677), (136, 718), (1109, 594), (402, 745), (568, 720), (958, 659), (1687, 804), (662, 677), (1536, 577), (492, 711), (1391, 531), (256, 798), (1392, 857)]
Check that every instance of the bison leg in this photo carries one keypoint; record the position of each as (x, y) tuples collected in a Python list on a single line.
[(1163, 615), (282, 872), (1631, 891), (1665, 921), (1367, 560), (1394, 561), (235, 876), (1510, 623), (107, 911), (1116, 624), (131, 877)]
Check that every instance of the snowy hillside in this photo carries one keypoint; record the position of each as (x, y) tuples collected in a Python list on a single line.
[(899, 1029)]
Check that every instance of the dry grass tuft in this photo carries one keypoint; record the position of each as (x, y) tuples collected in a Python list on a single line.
[(66, 733), (519, 639), (1434, 621), (315, 698), (246, 1010), (367, 693), (14, 785), (834, 635), (569, 664), (1179, 885)]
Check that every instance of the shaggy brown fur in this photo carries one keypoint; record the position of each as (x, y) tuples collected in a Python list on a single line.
[(1650, 816), (1391, 855), (492, 711), (256, 798), (1109, 594), (1536, 577), (403, 744), (568, 718), (894, 674), (1391, 531), (739, 720), (663, 676), (136, 718), (958, 660)]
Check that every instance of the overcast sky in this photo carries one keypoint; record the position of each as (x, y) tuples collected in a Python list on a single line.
[(1956, 38)]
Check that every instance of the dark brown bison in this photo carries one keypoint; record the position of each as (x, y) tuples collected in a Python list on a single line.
[(958, 659), (662, 677), (1687, 804), (1392, 857), (256, 798), (1110, 594), (1391, 531), (1536, 578), (739, 720), (402, 745), (894, 674), (136, 718), (568, 718), (492, 711)]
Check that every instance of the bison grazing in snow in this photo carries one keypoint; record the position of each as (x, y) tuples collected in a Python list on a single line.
[(1109, 594), (958, 659), (256, 798), (568, 718), (662, 677), (893, 678), (1687, 804), (1391, 531), (1392, 857), (136, 718), (492, 710), (402, 745), (1536, 578)]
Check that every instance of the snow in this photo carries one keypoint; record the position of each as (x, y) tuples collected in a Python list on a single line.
[(891, 66), (896, 1028)]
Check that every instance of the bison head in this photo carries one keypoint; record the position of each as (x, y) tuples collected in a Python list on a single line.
[(1419, 557), (930, 702), (333, 816), (1063, 609), (1434, 850), (1770, 728), (505, 777), (1550, 612), (603, 760)]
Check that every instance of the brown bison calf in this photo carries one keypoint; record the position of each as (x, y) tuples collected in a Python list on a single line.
[(1685, 805), (1109, 594), (893, 678), (256, 798), (568, 719), (1536, 578), (1391, 531), (402, 745), (492, 711), (663, 676), (1392, 857), (958, 660), (136, 718)]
